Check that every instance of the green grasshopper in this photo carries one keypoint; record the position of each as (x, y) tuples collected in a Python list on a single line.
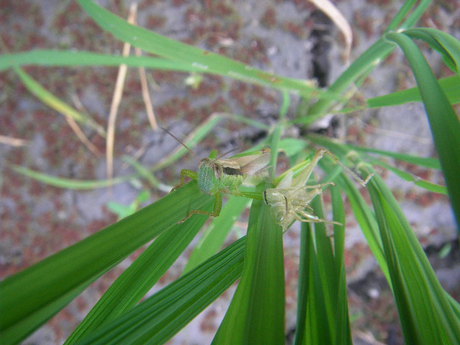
[(291, 198), (216, 176)]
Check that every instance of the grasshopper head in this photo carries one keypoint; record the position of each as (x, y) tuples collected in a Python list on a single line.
[(208, 174)]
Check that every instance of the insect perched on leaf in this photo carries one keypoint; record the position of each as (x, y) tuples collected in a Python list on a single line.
[(217, 176), (291, 198), (293, 203)]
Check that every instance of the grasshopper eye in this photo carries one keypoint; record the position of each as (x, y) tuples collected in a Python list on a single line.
[(232, 171)]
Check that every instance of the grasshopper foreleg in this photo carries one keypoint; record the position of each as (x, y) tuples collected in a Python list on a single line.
[(184, 175)]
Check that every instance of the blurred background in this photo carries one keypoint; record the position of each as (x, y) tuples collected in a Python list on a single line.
[(291, 38)]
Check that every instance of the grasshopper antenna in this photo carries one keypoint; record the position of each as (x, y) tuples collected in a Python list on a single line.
[(228, 152), (177, 139)]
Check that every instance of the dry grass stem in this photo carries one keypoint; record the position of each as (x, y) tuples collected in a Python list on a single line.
[(119, 85), (146, 95), (13, 141), (336, 16)]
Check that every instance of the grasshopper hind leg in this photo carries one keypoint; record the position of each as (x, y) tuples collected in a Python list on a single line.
[(307, 217), (215, 212)]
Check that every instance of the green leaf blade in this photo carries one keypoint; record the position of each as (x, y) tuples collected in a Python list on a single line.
[(206, 61), (427, 162), (55, 103), (427, 315), (61, 182), (218, 231), (343, 329), (138, 279), (449, 85), (60, 273), (85, 58), (162, 315), (444, 123), (447, 45), (256, 313), (323, 305)]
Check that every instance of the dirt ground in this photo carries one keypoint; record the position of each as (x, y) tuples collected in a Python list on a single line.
[(291, 38)]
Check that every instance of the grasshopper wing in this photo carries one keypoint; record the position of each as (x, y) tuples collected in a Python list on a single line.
[(254, 164)]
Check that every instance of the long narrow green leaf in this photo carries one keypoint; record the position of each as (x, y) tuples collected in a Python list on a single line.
[(327, 319), (246, 120), (427, 162), (84, 58), (256, 313), (361, 210), (426, 315), (416, 14), (366, 217), (317, 323), (56, 276), (447, 45), (177, 51), (292, 147), (422, 161), (70, 183), (366, 220), (430, 186), (402, 13), (449, 85), (303, 285), (218, 231), (343, 331), (52, 101), (27, 325), (275, 138), (444, 123), (147, 174), (139, 278), (323, 287), (162, 315)]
